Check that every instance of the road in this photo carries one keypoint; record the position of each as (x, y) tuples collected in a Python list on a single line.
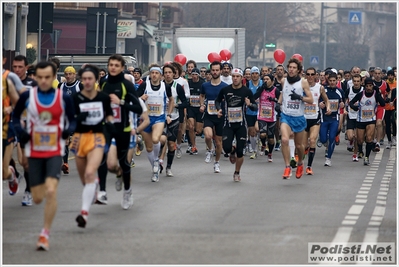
[(199, 217)]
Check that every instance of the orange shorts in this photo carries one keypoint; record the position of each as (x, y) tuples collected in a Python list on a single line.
[(83, 143)]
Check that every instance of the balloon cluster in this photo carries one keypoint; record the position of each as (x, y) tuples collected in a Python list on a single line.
[(279, 56), (180, 58), (224, 55)]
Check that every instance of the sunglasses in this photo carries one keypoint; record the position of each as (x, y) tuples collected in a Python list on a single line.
[(203, 71), (310, 74)]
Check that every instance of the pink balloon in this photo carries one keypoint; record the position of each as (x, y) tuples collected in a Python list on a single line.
[(213, 56), (279, 56), (297, 56), (225, 54), (181, 59)]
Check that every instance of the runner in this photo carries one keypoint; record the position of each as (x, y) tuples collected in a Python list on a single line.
[(92, 109), (195, 120), (278, 78), (251, 115), (312, 115), (366, 103), (213, 125), (352, 118), (154, 92), (390, 99), (295, 92), (383, 88), (71, 86), (123, 99), (236, 97), (226, 69), (179, 103), (48, 111), (267, 116), (190, 65)]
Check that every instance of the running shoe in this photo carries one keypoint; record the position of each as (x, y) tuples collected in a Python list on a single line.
[(27, 199), (250, 149), (287, 173), (140, 143), (337, 140), (169, 172), (270, 157), (393, 140), (42, 243), (366, 161), (81, 221), (293, 162), (194, 151), (389, 145), (65, 168), (377, 147), (309, 170), (188, 151), (349, 148), (178, 153), (138, 151), (327, 162), (236, 177), (262, 150), (208, 156), (360, 155), (13, 182), (102, 197), (254, 155), (319, 144), (155, 166), (155, 177), (355, 158), (299, 171), (278, 146), (127, 200), (132, 163), (226, 155), (382, 142), (307, 150), (216, 167), (118, 183)]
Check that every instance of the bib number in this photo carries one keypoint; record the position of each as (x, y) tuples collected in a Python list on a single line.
[(95, 112), (195, 100), (367, 114), (334, 105), (234, 114), (310, 109), (116, 110), (45, 138), (154, 109), (212, 108), (292, 105), (266, 112)]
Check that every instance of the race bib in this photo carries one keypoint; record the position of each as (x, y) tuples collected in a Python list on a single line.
[(234, 114), (154, 108), (195, 100), (310, 109), (116, 110), (95, 112), (212, 108), (292, 105), (334, 105), (367, 114), (266, 112), (45, 138)]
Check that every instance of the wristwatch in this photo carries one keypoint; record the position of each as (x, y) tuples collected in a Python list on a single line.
[(122, 102)]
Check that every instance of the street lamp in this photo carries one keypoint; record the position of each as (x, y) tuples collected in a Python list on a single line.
[(325, 44)]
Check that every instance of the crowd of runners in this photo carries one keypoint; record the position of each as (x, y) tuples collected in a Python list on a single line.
[(105, 117)]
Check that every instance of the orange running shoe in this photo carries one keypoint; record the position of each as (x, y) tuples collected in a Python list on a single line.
[(307, 150), (65, 168), (42, 243), (309, 171), (337, 140), (299, 171), (287, 173)]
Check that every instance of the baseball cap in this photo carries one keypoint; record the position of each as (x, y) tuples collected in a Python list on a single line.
[(195, 71), (255, 70), (70, 69), (368, 81), (237, 71), (364, 74), (137, 70), (371, 68), (228, 64), (335, 71)]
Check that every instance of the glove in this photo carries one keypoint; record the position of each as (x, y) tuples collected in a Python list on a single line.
[(295, 96), (355, 108), (65, 134), (82, 116), (110, 128), (277, 108), (387, 100), (273, 99), (24, 137)]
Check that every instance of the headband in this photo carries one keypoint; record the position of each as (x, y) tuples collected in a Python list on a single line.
[(157, 69)]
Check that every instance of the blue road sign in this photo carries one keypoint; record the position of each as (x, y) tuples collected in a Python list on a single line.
[(314, 60), (355, 17)]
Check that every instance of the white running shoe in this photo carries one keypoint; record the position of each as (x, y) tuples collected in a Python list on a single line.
[(216, 167), (155, 177), (327, 162), (208, 156), (169, 172), (236, 177), (393, 140), (118, 183), (155, 166), (250, 149), (178, 153), (102, 197), (27, 199), (127, 200)]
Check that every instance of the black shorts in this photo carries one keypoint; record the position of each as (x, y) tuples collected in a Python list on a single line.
[(172, 130), (267, 128), (251, 119), (310, 123), (181, 115), (41, 168), (214, 121), (363, 125), (196, 114), (351, 124)]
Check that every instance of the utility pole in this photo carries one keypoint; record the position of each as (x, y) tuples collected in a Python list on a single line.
[(321, 21), (264, 36), (160, 52), (39, 50), (18, 30), (228, 15)]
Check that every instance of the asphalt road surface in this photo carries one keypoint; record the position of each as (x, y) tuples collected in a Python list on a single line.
[(200, 217)]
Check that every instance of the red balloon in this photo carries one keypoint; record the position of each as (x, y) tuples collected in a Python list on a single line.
[(297, 56), (279, 56), (213, 56), (225, 54), (167, 63), (181, 59)]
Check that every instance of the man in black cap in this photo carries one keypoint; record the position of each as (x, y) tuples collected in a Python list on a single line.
[(371, 72), (137, 77), (226, 69)]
